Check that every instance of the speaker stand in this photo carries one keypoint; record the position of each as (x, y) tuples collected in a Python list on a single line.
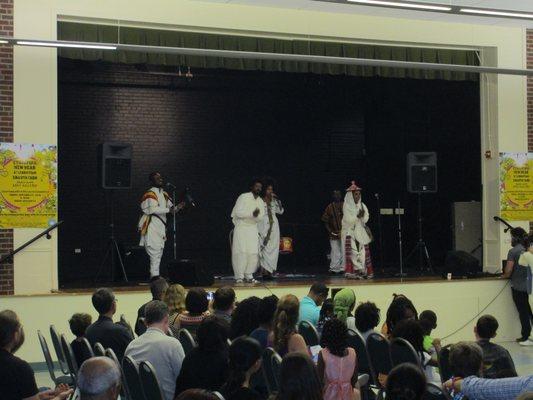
[(420, 247), (112, 250)]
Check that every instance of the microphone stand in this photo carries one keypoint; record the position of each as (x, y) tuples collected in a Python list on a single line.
[(174, 223), (401, 274), (381, 250)]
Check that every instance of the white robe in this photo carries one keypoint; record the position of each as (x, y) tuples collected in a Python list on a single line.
[(269, 254), (155, 237), (354, 228), (245, 245)]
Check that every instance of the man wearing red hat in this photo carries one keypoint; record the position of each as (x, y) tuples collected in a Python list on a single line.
[(355, 234)]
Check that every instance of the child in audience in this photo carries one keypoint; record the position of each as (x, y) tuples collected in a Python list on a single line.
[(405, 382), (244, 361), (298, 379), (326, 313), (267, 308), (497, 362), (337, 363), (366, 318), (401, 308), (428, 320), (466, 359), (78, 325)]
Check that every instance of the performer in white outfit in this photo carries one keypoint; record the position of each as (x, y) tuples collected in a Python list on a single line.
[(155, 205), (247, 212), (354, 235), (269, 235)]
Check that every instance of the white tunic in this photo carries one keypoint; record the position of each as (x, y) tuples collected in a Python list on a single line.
[(245, 234), (156, 234), (269, 254), (351, 225)]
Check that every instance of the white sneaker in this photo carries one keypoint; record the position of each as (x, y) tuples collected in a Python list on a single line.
[(527, 342), (238, 281), (251, 280)]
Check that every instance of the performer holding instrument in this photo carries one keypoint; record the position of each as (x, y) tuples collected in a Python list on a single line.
[(155, 205)]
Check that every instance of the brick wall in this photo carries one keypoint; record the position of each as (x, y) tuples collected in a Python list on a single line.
[(529, 44), (6, 128), (217, 131)]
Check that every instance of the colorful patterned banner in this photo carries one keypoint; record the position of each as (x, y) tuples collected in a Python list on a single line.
[(516, 186), (28, 185)]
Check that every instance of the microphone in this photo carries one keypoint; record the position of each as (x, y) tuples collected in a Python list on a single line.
[(189, 197), (170, 186), (376, 195)]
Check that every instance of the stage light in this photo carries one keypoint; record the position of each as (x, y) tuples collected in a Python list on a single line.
[(416, 6), (496, 13), (80, 45)]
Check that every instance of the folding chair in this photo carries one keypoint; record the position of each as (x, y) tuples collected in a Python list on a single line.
[(66, 379), (186, 340), (99, 350), (378, 351), (149, 382), (271, 382), (56, 342), (309, 333), (401, 351), (444, 364), (124, 393), (132, 378), (69, 356)]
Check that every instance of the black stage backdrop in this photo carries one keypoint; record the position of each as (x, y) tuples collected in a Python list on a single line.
[(215, 131)]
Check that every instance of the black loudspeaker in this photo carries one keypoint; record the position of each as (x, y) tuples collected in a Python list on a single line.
[(190, 273), (114, 165), (422, 172), (461, 263)]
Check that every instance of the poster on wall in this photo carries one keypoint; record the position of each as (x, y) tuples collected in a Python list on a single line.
[(28, 185), (516, 186)]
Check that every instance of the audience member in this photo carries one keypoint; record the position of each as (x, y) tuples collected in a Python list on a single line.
[(206, 366), (310, 304), (400, 308), (164, 352), (196, 305), (343, 305), (175, 299), (244, 361), (197, 394), (497, 362), (411, 330), (520, 287), (428, 320), (367, 316), (475, 388), (224, 302), (466, 359), (104, 331), (17, 380), (326, 313), (284, 338), (337, 363), (245, 317), (98, 379), (158, 287), (78, 326), (298, 379), (405, 382), (267, 308)]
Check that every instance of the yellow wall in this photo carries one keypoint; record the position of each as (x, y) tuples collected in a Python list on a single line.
[(35, 81), (455, 303)]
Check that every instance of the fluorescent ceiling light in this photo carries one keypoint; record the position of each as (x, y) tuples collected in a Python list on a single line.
[(80, 45), (3, 42), (402, 5), (496, 13)]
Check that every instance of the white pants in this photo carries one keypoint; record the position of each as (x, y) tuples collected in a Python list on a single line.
[(155, 255), (244, 264), (336, 256), (357, 256)]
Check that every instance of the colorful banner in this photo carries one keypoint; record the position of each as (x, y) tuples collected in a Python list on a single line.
[(516, 186), (28, 185)]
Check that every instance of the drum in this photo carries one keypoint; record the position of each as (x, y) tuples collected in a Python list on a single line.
[(285, 245)]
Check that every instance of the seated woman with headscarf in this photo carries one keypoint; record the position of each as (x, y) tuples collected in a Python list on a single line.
[(343, 305)]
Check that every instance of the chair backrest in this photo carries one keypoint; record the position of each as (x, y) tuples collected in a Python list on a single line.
[(124, 393), (401, 351), (356, 342), (378, 351), (187, 341), (132, 378), (99, 350), (87, 349), (150, 384), (268, 373), (69, 355), (47, 356), (56, 342), (309, 333), (445, 369), (434, 392), (276, 368)]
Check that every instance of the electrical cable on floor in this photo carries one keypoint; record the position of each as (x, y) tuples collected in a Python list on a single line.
[(479, 313)]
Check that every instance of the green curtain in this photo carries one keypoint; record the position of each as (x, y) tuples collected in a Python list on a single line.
[(155, 37)]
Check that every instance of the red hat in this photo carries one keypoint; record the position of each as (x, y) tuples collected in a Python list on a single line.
[(353, 188)]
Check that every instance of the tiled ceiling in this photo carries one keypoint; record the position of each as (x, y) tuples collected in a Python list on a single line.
[(518, 5)]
